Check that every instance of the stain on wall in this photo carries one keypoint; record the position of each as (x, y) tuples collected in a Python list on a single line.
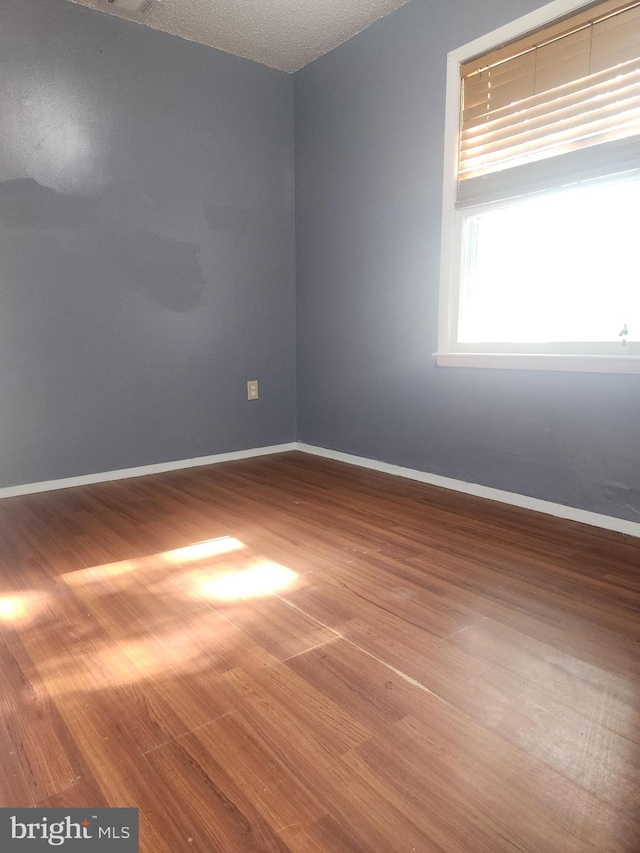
[(134, 301), (165, 271), (24, 203)]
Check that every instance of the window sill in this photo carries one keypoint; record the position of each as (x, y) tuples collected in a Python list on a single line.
[(539, 361)]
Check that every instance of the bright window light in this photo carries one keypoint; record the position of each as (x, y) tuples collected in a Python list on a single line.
[(560, 267), (541, 194)]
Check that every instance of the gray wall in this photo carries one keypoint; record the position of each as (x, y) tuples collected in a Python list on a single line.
[(147, 258), (147, 263), (369, 142)]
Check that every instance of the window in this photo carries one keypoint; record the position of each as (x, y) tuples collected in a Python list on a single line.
[(541, 217)]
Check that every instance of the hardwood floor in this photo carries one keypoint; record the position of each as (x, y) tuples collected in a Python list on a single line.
[(291, 654)]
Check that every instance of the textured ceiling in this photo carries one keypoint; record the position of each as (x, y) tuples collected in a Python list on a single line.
[(284, 34)]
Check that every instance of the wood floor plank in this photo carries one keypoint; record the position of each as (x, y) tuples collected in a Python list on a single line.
[(215, 812), (231, 756), (92, 682), (378, 695), (370, 692), (326, 835), (313, 717), (84, 793), (408, 599), (545, 810), (282, 630), (292, 654), (439, 666), (600, 645), (185, 661), (579, 683), (39, 755), (372, 813)]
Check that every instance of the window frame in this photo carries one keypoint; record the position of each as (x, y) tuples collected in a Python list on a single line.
[(449, 352)]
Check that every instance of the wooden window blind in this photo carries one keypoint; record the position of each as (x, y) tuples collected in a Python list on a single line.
[(557, 106)]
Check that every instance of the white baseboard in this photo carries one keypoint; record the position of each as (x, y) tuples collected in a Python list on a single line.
[(608, 522), (619, 525), (142, 471)]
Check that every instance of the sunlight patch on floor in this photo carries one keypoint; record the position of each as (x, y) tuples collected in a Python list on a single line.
[(258, 580), (179, 556), (202, 550), (22, 607), (192, 646), (97, 574)]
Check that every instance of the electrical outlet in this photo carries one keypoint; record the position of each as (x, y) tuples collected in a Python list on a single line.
[(252, 389)]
